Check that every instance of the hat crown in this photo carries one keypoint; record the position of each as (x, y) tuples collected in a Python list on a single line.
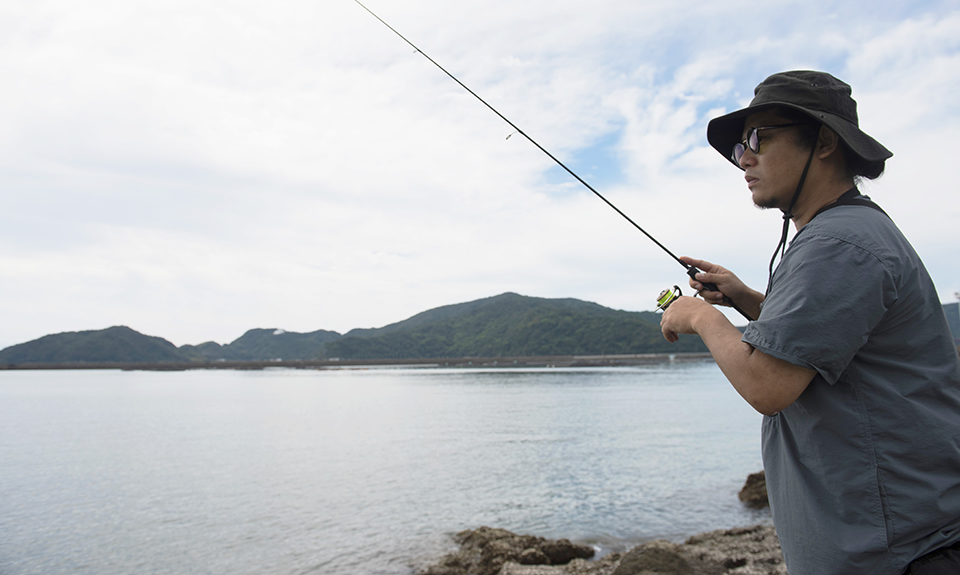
[(814, 91)]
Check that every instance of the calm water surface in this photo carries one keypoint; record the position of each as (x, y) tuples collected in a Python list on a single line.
[(358, 471)]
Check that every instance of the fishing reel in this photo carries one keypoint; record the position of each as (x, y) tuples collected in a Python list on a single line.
[(667, 297)]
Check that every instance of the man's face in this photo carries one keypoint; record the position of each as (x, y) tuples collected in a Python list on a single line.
[(773, 173)]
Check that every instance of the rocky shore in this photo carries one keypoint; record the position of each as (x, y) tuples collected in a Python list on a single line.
[(741, 551)]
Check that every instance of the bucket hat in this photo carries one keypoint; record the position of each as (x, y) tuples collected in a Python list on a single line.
[(818, 95)]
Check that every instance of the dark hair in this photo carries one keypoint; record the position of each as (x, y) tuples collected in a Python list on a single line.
[(806, 137), (857, 167)]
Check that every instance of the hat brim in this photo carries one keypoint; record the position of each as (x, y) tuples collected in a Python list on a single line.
[(726, 131)]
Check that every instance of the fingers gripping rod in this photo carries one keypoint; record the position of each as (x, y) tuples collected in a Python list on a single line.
[(691, 270)]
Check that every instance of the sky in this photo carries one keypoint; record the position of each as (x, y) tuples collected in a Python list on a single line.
[(194, 169)]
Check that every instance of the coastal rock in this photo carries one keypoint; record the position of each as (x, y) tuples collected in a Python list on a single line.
[(754, 492), (485, 551), (742, 551), (603, 566), (655, 557)]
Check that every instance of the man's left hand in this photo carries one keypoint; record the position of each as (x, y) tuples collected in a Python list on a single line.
[(681, 316)]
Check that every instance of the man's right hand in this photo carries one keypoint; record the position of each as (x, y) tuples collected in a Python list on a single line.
[(729, 285)]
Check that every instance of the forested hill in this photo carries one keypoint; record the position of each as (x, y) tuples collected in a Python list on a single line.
[(507, 325), (513, 325), (118, 344)]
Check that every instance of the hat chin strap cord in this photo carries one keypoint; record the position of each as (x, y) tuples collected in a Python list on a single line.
[(787, 216)]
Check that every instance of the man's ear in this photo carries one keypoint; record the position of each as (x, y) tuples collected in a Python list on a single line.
[(828, 142)]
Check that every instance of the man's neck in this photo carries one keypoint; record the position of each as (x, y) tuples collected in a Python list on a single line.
[(816, 195)]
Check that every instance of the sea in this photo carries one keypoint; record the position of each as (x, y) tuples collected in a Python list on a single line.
[(359, 471)]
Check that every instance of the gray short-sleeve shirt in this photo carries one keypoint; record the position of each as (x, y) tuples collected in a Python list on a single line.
[(863, 469)]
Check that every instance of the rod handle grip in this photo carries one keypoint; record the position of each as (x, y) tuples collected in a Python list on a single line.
[(693, 271)]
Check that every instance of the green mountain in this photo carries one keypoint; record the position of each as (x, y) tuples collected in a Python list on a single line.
[(207, 351), (118, 344), (507, 325), (263, 345), (512, 325)]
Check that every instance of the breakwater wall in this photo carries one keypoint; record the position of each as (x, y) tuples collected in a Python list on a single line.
[(460, 362)]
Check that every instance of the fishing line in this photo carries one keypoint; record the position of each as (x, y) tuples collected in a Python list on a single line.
[(691, 270)]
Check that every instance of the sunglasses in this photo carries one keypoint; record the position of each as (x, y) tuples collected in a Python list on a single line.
[(752, 141)]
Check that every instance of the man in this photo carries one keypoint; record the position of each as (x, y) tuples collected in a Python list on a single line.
[(849, 357)]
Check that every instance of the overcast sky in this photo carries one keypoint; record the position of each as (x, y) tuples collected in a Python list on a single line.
[(194, 169)]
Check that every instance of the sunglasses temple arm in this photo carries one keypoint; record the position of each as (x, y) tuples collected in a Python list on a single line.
[(693, 271)]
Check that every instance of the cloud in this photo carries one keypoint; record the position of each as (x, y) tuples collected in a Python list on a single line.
[(196, 169)]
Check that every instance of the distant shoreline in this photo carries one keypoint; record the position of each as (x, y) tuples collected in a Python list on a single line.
[(461, 362)]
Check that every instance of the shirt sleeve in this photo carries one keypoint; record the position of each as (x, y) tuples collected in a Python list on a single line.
[(827, 296)]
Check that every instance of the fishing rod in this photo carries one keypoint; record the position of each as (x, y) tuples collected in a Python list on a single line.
[(667, 296)]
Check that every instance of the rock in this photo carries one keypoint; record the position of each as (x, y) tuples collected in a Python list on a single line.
[(562, 551), (655, 557), (486, 550), (533, 556), (603, 566), (743, 551), (754, 492), (516, 569)]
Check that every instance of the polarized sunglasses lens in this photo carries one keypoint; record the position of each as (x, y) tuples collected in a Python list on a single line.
[(738, 151), (753, 140)]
